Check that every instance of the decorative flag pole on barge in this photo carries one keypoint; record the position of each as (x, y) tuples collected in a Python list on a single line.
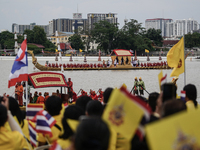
[(59, 51)]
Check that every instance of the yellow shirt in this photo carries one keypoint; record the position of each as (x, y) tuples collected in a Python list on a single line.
[(55, 131), (11, 140), (64, 143), (25, 130), (190, 105)]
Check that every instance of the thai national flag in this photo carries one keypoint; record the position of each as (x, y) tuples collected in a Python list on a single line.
[(19, 70), (33, 135), (44, 122), (32, 110), (183, 95), (4, 50)]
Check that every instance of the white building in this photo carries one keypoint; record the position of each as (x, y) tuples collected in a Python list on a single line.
[(158, 23), (181, 27)]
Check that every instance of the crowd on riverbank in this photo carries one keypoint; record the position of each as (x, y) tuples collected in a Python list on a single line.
[(81, 123)]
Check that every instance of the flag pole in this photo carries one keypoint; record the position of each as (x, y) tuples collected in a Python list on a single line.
[(25, 36), (184, 59)]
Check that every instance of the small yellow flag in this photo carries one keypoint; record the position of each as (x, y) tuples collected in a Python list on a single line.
[(56, 50), (160, 75), (176, 58), (146, 51), (80, 50), (177, 132), (119, 113)]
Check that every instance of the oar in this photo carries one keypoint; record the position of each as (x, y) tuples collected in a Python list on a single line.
[(131, 90), (79, 92), (144, 89)]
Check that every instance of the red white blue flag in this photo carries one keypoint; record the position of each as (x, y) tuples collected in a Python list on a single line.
[(19, 70), (44, 122), (32, 110), (33, 135)]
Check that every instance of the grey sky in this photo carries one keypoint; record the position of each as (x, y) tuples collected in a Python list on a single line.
[(42, 11)]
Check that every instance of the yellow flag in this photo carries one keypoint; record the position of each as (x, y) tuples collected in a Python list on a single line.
[(176, 132), (56, 50), (146, 51), (176, 59), (80, 50), (160, 75), (119, 113)]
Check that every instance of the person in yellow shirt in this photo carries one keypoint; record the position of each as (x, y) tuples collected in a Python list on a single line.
[(71, 112), (53, 106), (10, 140), (191, 96)]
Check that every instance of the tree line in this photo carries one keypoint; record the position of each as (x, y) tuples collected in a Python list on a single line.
[(108, 36)]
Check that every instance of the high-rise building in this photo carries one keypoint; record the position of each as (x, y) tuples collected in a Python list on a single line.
[(67, 25), (20, 28), (96, 17), (181, 27), (158, 23)]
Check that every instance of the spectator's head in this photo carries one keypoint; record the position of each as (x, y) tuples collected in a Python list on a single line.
[(191, 93), (3, 115), (71, 112), (94, 108), (92, 134), (153, 100), (53, 105), (16, 111), (82, 101), (172, 106), (106, 94)]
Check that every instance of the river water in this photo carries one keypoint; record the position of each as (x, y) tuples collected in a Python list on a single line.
[(104, 78)]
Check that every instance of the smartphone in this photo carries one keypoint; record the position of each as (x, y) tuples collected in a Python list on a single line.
[(169, 91)]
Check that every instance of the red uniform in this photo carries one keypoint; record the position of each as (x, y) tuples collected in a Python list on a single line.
[(100, 96), (20, 94), (70, 87), (40, 100), (74, 97)]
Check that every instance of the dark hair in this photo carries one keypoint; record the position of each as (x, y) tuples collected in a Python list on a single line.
[(153, 100), (16, 111), (82, 101), (94, 108), (191, 93), (173, 106), (53, 105), (106, 94), (92, 134), (71, 112), (3, 115)]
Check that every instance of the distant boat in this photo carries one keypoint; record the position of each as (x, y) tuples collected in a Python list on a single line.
[(123, 57)]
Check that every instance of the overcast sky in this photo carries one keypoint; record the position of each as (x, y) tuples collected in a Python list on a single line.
[(42, 11)]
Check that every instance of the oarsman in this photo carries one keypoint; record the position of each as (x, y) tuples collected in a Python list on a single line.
[(135, 87), (141, 86)]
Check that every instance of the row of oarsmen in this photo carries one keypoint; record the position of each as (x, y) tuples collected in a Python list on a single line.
[(77, 65)]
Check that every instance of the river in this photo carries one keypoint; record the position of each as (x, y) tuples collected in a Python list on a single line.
[(104, 78)]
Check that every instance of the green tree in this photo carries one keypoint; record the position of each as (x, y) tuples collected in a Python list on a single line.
[(4, 37), (30, 36), (131, 36), (39, 35), (105, 34), (192, 40), (76, 42), (155, 36)]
